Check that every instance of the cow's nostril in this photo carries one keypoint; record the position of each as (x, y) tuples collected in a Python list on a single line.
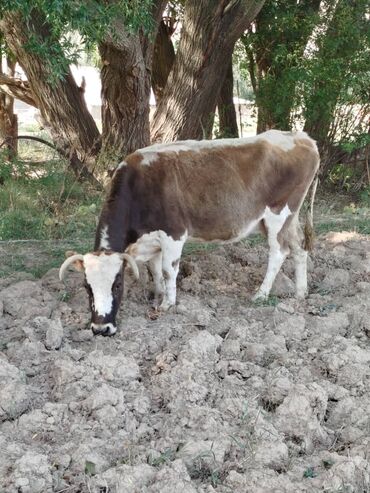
[(103, 329)]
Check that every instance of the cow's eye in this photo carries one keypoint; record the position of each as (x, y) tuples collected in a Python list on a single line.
[(117, 287)]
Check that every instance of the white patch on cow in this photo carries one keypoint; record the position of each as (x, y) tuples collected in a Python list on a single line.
[(164, 254), (247, 230), (101, 271), (104, 238), (283, 140), (146, 247), (121, 165), (274, 223)]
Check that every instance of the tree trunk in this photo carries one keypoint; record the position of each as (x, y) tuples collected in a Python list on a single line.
[(125, 76), (125, 98), (209, 32), (8, 119), (61, 102), (163, 58), (226, 107)]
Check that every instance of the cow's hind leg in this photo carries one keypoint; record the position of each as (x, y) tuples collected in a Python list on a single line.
[(294, 237), (277, 251), (171, 254)]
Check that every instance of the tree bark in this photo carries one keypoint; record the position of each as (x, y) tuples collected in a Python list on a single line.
[(209, 32), (61, 103), (226, 107), (8, 119), (125, 76), (163, 58), (17, 88)]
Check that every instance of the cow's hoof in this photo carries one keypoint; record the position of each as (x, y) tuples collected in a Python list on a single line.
[(165, 307), (258, 297)]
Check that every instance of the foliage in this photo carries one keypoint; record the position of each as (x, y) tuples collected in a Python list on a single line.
[(334, 91), (60, 20), (45, 202), (274, 47)]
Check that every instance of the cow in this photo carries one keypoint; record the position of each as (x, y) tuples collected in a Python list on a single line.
[(211, 190)]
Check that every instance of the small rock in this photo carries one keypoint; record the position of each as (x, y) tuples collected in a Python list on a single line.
[(203, 345), (27, 299), (230, 349), (284, 307), (192, 308), (273, 454), (283, 286), (363, 286), (129, 478), (32, 473), (14, 400), (54, 334), (336, 278)]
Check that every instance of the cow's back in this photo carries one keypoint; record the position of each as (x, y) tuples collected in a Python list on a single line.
[(215, 192)]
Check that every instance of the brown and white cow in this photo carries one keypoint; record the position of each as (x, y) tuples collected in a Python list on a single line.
[(220, 190)]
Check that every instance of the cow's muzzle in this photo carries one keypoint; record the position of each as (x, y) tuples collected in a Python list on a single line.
[(103, 329)]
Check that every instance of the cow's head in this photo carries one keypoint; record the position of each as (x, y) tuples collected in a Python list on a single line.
[(104, 284)]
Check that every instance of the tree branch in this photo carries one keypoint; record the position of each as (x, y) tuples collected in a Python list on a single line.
[(17, 88)]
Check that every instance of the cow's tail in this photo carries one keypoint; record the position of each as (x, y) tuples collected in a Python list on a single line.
[(309, 234)]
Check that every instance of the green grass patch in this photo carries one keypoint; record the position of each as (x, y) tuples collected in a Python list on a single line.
[(46, 202)]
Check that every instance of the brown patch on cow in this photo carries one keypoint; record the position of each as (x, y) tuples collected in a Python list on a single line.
[(134, 159), (175, 263), (166, 275)]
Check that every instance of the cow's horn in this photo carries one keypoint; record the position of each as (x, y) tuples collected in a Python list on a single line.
[(67, 263), (130, 260)]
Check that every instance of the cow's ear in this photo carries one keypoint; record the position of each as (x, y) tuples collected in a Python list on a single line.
[(76, 264)]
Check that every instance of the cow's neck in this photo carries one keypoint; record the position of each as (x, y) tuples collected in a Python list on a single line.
[(113, 231)]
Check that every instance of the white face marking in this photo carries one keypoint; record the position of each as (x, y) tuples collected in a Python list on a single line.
[(283, 140), (101, 271), (104, 238)]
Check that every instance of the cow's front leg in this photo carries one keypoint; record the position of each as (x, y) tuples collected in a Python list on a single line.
[(171, 254), (155, 266)]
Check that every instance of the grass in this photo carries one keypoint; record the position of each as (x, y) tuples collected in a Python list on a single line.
[(45, 203)]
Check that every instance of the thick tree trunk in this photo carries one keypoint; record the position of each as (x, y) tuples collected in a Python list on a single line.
[(8, 119), (125, 97), (125, 76), (226, 107), (61, 102), (209, 32), (163, 58)]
